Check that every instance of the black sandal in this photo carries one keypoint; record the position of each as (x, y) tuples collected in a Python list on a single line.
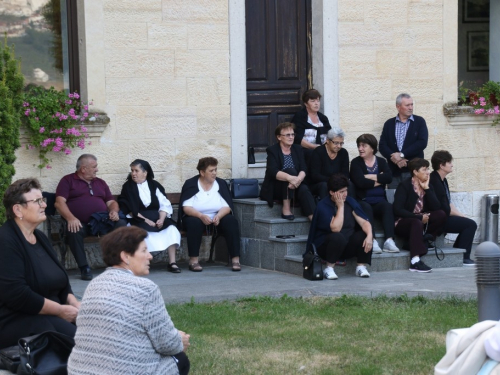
[(173, 267)]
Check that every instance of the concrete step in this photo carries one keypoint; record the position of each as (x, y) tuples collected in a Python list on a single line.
[(386, 262), (274, 226), (288, 246)]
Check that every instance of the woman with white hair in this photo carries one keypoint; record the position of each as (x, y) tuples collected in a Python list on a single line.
[(326, 160)]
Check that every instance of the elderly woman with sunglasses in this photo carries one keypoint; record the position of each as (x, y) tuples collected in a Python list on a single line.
[(35, 294), (327, 160)]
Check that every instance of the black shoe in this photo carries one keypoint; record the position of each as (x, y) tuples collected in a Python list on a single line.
[(288, 217), (420, 267), (469, 262), (173, 267), (86, 273)]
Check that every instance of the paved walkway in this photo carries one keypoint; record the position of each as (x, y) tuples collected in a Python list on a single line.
[(218, 282)]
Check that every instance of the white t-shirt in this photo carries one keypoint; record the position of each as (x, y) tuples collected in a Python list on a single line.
[(207, 202), (145, 196), (310, 134)]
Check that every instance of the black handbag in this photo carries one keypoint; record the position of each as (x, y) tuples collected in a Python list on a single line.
[(10, 358), (244, 188), (313, 267), (45, 354)]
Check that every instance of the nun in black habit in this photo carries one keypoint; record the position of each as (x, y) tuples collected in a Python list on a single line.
[(146, 205)]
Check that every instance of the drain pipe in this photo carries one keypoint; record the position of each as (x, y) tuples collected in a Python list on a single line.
[(487, 259)]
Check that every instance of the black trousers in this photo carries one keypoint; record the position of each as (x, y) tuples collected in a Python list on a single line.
[(319, 189), (228, 228), (75, 241), (466, 229), (302, 193), (25, 325), (413, 229), (337, 246), (381, 210), (183, 363)]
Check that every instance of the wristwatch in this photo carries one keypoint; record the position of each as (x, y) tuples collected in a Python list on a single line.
[(402, 155)]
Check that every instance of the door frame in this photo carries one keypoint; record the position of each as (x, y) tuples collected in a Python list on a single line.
[(325, 72)]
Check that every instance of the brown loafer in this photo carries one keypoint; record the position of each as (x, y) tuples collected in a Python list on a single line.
[(236, 266), (195, 267)]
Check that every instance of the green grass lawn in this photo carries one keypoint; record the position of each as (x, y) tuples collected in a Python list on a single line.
[(346, 335)]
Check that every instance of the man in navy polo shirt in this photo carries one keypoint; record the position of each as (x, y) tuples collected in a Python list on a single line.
[(78, 196), (403, 138)]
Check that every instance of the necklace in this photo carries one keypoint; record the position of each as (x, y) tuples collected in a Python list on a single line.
[(373, 169)]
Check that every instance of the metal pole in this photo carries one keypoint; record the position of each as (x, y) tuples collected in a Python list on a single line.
[(487, 259)]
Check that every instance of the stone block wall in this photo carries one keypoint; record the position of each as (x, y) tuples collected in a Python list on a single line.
[(160, 70)]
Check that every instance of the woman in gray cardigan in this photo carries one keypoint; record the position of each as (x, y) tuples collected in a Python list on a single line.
[(123, 326)]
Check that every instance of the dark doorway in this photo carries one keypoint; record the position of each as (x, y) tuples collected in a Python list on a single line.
[(278, 47)]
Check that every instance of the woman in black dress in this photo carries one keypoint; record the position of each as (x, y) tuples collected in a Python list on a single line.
[(35, 295)]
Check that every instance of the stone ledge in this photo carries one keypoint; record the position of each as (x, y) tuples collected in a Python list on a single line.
[(465, 116), (94, 128)]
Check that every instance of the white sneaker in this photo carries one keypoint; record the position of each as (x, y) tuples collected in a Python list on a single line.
[(390, 246), (330, 274), (361, 271), (376, 248)]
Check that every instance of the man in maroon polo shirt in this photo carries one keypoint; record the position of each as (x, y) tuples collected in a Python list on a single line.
[(78, 196)]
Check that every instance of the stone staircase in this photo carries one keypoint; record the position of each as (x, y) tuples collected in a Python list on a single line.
[(260, 224)]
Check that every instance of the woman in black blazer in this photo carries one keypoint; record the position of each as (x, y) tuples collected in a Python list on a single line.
[(456, 222), (285, 173), (369, 175), (417, 211)]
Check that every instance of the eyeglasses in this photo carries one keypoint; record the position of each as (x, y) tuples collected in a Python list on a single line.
[(91, 191), (337, 143), (288, 135), (38, 200)]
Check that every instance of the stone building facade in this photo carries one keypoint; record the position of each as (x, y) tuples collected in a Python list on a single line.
[(171, 76)]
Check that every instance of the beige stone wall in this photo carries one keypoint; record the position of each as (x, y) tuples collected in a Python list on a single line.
[(393, 46), (165, 66)]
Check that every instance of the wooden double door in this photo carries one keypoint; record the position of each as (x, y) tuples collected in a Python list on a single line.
[(278, 54)]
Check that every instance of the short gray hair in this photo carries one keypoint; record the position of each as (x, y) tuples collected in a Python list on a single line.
[(402, 96), (83, 158), (335, 132)]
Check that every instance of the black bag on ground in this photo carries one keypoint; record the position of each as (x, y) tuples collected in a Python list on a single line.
[(45, 354), (313, 267), (10, 358), (244, 188)]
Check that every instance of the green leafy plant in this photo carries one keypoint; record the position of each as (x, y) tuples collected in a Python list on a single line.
[(54, 121), (11, 104)]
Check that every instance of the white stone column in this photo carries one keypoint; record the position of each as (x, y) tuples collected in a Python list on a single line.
[(495, 41), (325, 56), (238, 87)]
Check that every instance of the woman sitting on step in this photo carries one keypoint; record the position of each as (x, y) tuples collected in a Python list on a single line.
[(456, 222), (341, 230), (369, 175), (416, 209), (285, 174)]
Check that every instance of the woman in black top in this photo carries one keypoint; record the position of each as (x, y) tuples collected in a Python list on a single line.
[(285, 174), (35, 295), (456, 222), (327, 160), (369, 175), (417, 211), (311, 126)]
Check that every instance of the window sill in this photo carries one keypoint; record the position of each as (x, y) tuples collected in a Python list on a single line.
[(464, 116), (94, 128)]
